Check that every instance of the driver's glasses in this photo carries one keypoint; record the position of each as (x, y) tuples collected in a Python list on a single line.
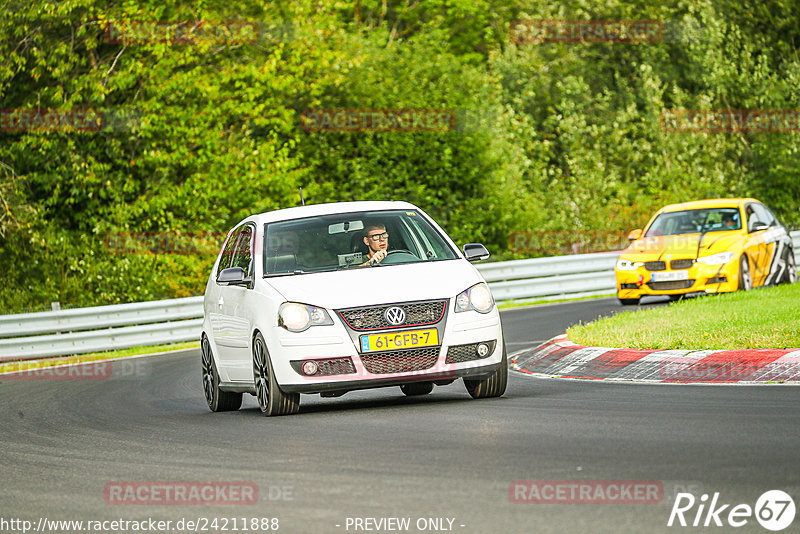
[(379, 237)]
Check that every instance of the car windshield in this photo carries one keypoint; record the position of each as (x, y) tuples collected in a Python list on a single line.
[(695, 221), (333, 242)]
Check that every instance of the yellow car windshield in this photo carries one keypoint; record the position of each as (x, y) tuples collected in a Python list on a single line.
[(695, 222)]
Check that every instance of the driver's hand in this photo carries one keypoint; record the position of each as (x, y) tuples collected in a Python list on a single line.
[(377, 257)]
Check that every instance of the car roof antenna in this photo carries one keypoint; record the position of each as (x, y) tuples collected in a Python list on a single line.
[(302, 200)]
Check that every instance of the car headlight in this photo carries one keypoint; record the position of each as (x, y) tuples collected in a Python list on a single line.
[(296, 317), (717, 259), (627, 265), (477, 298)]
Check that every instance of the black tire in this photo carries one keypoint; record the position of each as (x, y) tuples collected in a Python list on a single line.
[(745, 279), (676, 298), (493, 385), (417, 388), (271, 399), (790, 274), (629, 302), (217, 400)]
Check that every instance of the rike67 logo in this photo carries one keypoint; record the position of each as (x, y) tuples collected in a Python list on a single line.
[(774, 510)]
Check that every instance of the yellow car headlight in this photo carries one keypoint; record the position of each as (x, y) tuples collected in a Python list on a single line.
[(627, 265), (719, 258)]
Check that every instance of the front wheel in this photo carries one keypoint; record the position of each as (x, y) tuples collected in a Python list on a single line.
[(629, 302), (271, 399), (217, 400), (790, 275), (745, 281), (493, 385)]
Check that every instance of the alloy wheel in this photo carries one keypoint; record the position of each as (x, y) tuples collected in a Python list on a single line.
[(208, 371), (261, 372)]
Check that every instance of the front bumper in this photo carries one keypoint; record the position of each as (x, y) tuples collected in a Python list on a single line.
[(701, 278), (336, 347)]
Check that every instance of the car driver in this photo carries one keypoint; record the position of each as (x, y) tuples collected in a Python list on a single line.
[(377, 241)]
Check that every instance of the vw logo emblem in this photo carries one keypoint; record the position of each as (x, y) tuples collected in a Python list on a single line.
[(395, 315)]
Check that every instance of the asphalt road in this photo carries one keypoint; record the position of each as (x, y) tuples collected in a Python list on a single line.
[(378, 454)]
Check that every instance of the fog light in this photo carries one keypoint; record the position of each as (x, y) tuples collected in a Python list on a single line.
[(483, 350), (310, 368)]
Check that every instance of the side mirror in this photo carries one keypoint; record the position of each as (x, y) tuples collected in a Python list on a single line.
[(475, 252), (758, 226), (233, 276), (635, 234)]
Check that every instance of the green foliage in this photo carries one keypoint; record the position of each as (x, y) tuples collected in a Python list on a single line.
[(558, 137)]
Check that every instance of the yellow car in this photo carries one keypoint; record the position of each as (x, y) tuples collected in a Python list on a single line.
[(710, 246)]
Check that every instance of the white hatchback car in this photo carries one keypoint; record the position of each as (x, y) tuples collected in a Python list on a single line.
[(331, 298)]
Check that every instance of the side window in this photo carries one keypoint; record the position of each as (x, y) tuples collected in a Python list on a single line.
[(765, 215), (227, 251), (752, 216), (243, 252), (432, 249)]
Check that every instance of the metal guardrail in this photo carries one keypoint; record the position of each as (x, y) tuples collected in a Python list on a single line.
[(576, 275), (24, 348), (31, 324), (57, 333), (119, 326)]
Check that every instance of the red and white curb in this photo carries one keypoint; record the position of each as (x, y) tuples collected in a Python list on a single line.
[(561, 358)]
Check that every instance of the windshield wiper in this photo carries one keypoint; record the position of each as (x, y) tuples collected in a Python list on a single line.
[(706, 228), (287, 273)]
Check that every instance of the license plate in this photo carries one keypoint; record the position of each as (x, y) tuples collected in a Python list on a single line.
[(399, 340), (670, 276)]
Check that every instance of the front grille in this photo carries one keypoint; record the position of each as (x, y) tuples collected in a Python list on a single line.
[(400, 361), (328, 366), (717, 280), (467, 353), (372, 317), (655, 265), (680, 264), (666, 286)]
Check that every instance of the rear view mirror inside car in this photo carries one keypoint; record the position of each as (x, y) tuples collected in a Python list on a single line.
[(347, 226)]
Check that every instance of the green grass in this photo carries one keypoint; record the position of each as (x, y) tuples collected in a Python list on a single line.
[(763, 318), (9, 367)]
